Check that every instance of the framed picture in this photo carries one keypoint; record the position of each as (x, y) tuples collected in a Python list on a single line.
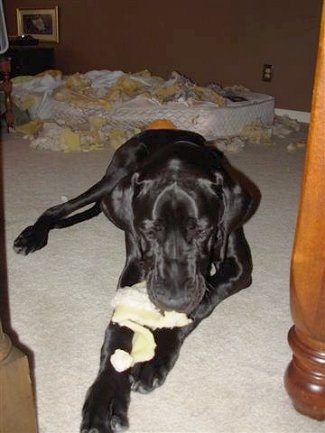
[(42, 24)]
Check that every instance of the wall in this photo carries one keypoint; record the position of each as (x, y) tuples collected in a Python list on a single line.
[(224, 41)]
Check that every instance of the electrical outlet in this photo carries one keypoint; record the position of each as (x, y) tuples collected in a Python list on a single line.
[(267, 73)]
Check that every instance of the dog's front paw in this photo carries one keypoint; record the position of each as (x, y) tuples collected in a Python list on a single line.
[(106, 406), (147, 376), (31, 239)]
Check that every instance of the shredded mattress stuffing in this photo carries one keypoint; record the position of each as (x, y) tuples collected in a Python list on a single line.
[(83, 112)]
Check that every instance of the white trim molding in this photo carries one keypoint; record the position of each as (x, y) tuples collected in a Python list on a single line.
[(301, 116)]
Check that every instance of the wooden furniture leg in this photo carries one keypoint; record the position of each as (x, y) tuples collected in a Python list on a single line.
[(6, 87), (17, 405), (305, 375)]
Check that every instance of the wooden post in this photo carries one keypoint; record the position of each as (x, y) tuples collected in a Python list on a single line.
[(17, 407), (5, 344), (305, 375), (6, 87)]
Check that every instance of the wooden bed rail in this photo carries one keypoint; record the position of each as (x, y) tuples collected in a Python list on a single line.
[(305, 375)]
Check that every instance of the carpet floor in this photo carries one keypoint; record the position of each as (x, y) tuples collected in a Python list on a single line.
[(229, 377)]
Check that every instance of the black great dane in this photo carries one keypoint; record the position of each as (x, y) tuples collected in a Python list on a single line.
[(182, 207)]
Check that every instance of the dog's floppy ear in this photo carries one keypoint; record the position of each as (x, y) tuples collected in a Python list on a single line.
[(117, 206), (240, 197)]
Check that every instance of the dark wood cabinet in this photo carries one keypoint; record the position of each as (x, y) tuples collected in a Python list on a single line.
[(30, 60)]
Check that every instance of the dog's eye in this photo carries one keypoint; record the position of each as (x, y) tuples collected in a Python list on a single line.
[(202, 234), (151, 230), (203, 231), (218, 189), (157, 227), (150, 234), (191, 224)]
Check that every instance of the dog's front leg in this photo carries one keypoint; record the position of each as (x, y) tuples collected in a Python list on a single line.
[(107, 401), (233, 275), (146, 376), (35, 237)]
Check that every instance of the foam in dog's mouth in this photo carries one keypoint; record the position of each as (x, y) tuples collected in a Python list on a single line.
[(133, 309), (187, 302)]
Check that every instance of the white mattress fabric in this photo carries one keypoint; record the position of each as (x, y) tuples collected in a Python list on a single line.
[(101, 106)]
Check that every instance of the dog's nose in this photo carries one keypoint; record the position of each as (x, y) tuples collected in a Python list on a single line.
[(181, 299), (180, 305)]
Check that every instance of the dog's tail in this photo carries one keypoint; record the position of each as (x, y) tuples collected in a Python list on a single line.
[(79, 217)]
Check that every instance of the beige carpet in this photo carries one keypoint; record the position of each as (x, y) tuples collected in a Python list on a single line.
[(229, 378)]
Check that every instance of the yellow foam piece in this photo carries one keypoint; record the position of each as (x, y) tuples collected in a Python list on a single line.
[(30, 128), (21, 79), (25, 102), (143, 344), (70, 141), (52, 72), (154, 319), (134, 310), (97, 122), (142, 316), (143, 347), (121, 360), (117, 137)]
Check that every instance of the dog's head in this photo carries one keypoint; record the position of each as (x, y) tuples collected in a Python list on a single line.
[(176, 229), (179, 213)]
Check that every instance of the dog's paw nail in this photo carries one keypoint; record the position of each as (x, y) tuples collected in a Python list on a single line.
[(20, 247), (30, 239), (118, 425)]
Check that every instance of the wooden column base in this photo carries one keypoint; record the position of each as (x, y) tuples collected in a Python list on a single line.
[(305, 375), (17, 406)]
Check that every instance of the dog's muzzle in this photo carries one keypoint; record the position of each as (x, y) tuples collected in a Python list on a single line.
[(183, 296)]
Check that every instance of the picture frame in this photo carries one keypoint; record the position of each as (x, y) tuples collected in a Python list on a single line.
[(42, 24)]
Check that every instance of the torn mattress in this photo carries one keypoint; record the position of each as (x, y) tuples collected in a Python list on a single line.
[(84, 111)]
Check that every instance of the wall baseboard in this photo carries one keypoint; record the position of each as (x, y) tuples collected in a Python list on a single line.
[(301, 116)]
